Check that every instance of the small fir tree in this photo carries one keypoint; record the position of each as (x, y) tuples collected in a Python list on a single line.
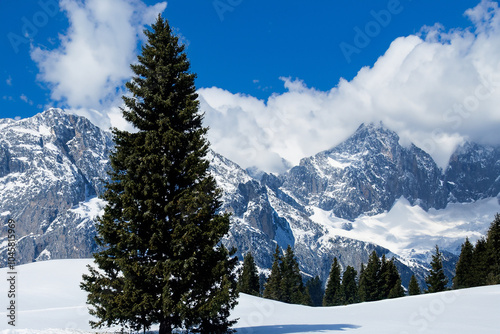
[(272, 288), (333, 293), (391, 281), (291, 285), (464, 271), (493, 246), (436, 280), (397, 290), (480, 263), (349, 286), (414, 287), (248, 281), (362, 287), (371, 279), (162, 260)]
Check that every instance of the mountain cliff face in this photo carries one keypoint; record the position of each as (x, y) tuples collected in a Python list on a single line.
[(53, 165), (365, 175)]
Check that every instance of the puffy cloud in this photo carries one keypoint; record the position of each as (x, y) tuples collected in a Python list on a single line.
[(434, 89), (87, 72)]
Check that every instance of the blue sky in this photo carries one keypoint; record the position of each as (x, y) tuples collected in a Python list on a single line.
[(242, 46), (260, 62)]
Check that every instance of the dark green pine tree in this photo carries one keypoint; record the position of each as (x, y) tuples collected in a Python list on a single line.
[(314, 287), (481, 263), (272, 288), (333, 292), (397, 290), (291, 285), (464, 270), (349, 286), (162, 259), (436, 280), (248, 281), (414, 287), (391, 281), (370, 280), (493, 246), (362, 287)]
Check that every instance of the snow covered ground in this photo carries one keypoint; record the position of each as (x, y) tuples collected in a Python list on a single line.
[(49, 301)]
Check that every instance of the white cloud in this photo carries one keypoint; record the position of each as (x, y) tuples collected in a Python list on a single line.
[(87, 72), (25, 99), (435, 89)]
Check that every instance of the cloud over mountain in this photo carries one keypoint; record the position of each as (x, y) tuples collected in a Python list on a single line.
[(435, 89)]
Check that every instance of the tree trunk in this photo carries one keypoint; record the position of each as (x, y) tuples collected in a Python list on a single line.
[(165, 327)]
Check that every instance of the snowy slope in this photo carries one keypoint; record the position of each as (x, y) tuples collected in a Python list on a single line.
[(50, 302), (411, 232)]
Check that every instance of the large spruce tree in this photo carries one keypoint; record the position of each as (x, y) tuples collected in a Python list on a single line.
[(162, 259)]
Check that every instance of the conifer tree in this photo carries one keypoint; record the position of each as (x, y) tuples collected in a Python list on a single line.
[(480, 263), (397, 290), (493, 246), (436, 280), (464, 270), (362, 287), (248, 281), (291, 285), (414, 287), (333, 293), (349, 286), (162, 259), (391, 281), (370, 280), (315, 289), (272, 288)]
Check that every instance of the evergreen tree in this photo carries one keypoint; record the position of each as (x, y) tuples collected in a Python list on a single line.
[(314, 287), (414, 287), (391, 281), (349, 286), (397, 290), (333, 293), (162, 259), (291, 285), (464, 271), (480, 263), (273, 285), (248, 281), (362, 287), (370, 280), (493, 246), (436, 280)]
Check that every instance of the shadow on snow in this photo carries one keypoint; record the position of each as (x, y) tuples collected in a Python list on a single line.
[(284, 329)]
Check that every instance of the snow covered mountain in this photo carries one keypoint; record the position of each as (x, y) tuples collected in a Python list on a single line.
[(368, 193)]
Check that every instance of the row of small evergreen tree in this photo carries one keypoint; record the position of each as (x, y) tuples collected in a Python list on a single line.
[(480, 264), (380, 279)]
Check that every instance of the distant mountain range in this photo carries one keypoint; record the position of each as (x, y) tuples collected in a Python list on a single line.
[(368, 193)]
